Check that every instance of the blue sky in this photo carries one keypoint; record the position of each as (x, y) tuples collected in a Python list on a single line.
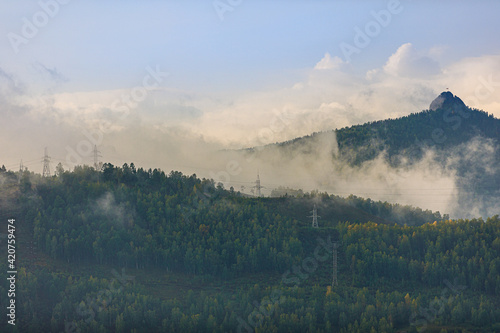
[(231, 79), (106, 45)]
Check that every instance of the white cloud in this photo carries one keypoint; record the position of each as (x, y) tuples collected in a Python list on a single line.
[(437, 51), (327, 62), (324, 99), (169, 120), (476, 81), (406, 61), (372, 73)]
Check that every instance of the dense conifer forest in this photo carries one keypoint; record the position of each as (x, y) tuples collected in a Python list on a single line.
[(134, 250), (451, 137)]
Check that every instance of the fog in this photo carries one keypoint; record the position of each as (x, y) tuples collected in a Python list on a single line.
[(205, 134), (313, 165), (117, 213)]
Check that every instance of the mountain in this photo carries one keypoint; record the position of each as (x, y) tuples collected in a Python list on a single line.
[(457, 139), (446, 100), (446, 124), (127, 249), (124, 249)]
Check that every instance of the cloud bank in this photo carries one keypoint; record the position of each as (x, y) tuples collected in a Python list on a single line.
[(186, 130)]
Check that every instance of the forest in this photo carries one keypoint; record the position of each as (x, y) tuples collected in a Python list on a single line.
[(132, 250), (457, 139)]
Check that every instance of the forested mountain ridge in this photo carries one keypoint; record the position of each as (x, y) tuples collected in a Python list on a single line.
[(174, 234), (197, 257), (454, 138), (444, 125), (441, 127), (149, 207), (236, 263)]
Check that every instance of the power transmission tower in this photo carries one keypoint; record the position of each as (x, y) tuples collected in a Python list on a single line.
[(46, 164), (21, 170), (334, 280), (315, 217), (257, 186), (97, 154)]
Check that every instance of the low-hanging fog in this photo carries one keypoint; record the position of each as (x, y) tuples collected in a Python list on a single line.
[(206, 132), (314, 164)]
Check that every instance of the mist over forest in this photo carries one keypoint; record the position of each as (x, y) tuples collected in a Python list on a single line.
[(250, 166)]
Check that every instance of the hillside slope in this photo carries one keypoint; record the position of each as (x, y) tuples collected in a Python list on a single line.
[(461, 141), (195, 257)]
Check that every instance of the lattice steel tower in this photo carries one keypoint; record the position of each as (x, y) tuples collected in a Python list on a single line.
[(257, 186), (46, 164), (21, 170), (315, 217), (97, 154)]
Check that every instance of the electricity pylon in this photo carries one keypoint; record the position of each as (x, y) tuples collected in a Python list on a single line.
[(46, 164), (315, 217)]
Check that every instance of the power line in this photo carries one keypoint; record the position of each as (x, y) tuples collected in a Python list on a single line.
[(30, 162)]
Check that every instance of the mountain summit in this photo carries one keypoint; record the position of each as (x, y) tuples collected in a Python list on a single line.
[(445, 100), (448, 136)]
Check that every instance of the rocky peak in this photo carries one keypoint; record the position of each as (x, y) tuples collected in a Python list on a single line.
[(446, 100)]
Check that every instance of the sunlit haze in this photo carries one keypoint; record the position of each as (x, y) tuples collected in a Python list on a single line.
[(169, 84)]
